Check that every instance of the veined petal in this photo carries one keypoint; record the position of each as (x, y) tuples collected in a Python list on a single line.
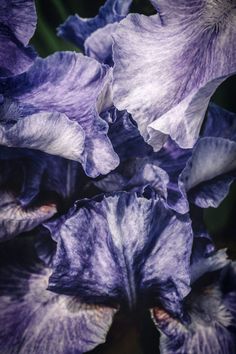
[(69, 83), (211, 308), (99, 44), (14, 219), (17, 25), (52, 133), (77, 29), (167, 67), (35, 320), (213, 162), (122, 250), (20, 17), (14, 57)]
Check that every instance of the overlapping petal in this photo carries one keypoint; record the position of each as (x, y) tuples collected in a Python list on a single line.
[(211, 307), (35, 320), (201, 175), (14, 219), (69, 84), (17, 26), (167, 66), (94, 34), (122, 250)]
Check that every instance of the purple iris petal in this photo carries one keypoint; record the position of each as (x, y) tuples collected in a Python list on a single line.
[(122, 250), (43, 131), (69, 84), (209, 172), (219, 123), (40, 177), (211, 308), (35, 320), (14, 219), (17, 26), (201, 175), (94, 34), (167, 66)]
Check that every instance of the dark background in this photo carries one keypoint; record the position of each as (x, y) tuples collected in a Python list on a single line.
[(135, 334)]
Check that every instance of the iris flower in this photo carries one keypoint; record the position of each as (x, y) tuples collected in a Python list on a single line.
[(106, 165)]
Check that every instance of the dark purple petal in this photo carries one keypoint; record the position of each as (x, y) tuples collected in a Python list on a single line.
[(123, 250), (99, 44), (71, 84), (39, 176), (20, 17), (211, 309), (17, 25), (14, 219), (14, 57), (126, 138), (77, 29), (167, 66), (35, 320), (220, 123), (209, 172)]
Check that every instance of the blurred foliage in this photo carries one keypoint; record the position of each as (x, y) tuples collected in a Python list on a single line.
[(132, 336)]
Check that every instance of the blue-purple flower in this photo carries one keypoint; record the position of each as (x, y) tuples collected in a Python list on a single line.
[(167, 66)]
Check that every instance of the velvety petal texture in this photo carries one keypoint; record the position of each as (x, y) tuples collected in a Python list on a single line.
[(167, 66), (67, 85), (122, 250), (211, 307), (35, 320), (94, 34), (14, 219), (17, 26), (201, 175)]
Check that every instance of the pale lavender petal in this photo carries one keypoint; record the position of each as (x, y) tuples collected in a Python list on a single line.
[(35, 320), (14, 57), (99, 44), (122, 250), (14, 219), (52, 133), (167, 66)]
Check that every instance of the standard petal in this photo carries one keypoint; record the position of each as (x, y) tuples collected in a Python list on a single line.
[(166, 70), (123, 250), (35, 320), (14, 219), (68, 83)]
